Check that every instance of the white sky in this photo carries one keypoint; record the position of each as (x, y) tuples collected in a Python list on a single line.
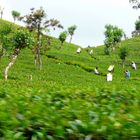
[(89, 15)]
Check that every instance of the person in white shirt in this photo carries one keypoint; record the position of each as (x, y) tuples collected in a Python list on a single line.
[(111, 68), (109, 76), (91, 52), (78, 51), (133, 65), (96, 71)]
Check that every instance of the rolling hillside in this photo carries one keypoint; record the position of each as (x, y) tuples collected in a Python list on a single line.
[(66, 100)]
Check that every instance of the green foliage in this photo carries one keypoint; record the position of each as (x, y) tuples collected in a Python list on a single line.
[(6, 36), (107, 50), (123, 53), (5, 30), (113, 36), (63, 36), (22, 39), (15, 15), (67, 90), (137, 25), (71, 29)]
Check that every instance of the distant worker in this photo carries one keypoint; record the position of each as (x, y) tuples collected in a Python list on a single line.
[(78, 51), (111, 68), (91, 52), (127, 74), (133, 65), (109, 76), (96, 71)]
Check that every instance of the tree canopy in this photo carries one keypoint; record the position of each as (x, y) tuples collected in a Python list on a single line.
[(62, 37), (123, 54), (37, 21), (15, 15), (113, 36)]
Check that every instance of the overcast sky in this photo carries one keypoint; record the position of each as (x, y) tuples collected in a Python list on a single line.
[(90, 16)]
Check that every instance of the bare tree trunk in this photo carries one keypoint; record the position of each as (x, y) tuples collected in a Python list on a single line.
[(40, 63), (70, 39), (61, 45), (37, 50), (37, 58), (13, 60), (9, 66), (123, 63), (1, 51), (1, 14), (14, 20), (35, 55)]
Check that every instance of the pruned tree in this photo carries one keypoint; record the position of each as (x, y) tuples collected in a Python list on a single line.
[(36, 21), (15, 15), (123, 54), (62, 37), (1, 11), (71, 31), (113, 36), (21, 39)]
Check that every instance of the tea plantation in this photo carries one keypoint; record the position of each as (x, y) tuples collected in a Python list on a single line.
[(66, 100)]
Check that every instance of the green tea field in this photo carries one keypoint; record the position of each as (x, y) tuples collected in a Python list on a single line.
[(65, 100)]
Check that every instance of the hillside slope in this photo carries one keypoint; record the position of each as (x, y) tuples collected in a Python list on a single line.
[(66, 100)]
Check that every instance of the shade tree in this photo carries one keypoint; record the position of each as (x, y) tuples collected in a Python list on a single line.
[(37, 21), (15, 15), (113, 36), (21, 39), (71, 31), (123, 54), (62, 37)]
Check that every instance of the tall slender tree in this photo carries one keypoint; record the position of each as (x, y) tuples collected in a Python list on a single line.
[(15, 15), (21, 39), (123, 54), (36, 21), (71, 31)]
